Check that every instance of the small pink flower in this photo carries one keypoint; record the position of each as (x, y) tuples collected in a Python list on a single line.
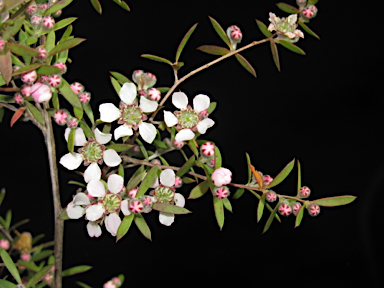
[(154, 94), (267, 180), (304, 192), (18, 98), (221, 176), (270, 196), (207, 149), (136, 206), (2, 44), (29, 77), (222, 192), (178, 182), (296, 208), (25, 256), (147, 201), (62, 67), (41, 92), (313, 209), (48, 278), (132, 193), (42, 53), (285, 209), (4, 243), (85, 97), (36, 20), (32, 9), (307, 12), (54, 80), (77, 87), (61, 117), (72, 123)]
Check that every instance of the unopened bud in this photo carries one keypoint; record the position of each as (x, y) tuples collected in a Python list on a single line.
[(156, 162), (72, 122), (42, 53), (304, 192), (149, 80), (2, 44), (296, 208), (154, 94), (61, 117), (54, 80), (29, 77), (25, 257), (26, 90), (285, 209), (62, 67), (77, 87), (267, 180), (57, 13), (36, 20), (136, 76), (309, 12), (212, 162), (221, 176), (135, 206), (32, 9), (207, 149), (132, 193), (313, 209), (42, 7), (18, 98), (178, 144), (4, 243), (41, 92), (85, 97), (270, 196), (221, 192), (234, 34), (178, 182)]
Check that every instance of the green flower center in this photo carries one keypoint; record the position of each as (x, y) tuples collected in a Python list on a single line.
[(164, 194), (188, 118), (285, 27), (131, 115), (111, 202), (92, 152)]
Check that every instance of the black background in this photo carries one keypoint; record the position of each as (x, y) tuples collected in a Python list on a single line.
[(321, 109)]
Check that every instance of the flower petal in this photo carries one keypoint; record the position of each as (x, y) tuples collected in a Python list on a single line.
[(80, 139), (204, 124), (74, 211), (111, 158), (122, 131), (180, 100), (184, 135), (155, 182), (179, 200), (201, 102), (112, 223), (115, 183), (94, 212), (124, 207), (96, 188), (109, 112), (147, 106), (93, 229), (166, 218), (102, 138), (167, 177), (170, 119), (81, 199), (147, 132), (71, 161), (128, 93), (93, 172)]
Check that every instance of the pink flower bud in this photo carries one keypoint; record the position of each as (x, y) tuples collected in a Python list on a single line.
[(57, 13), (271, 196), (41, 92), (267, 180), (135, 206), (48, 22), (25, 256), (29, 77), (154, 94), (61, 117), (149, 80), (26, 90), (54, 80), (44, 79), (313, 209), (308, 13), (42, 7), (109, 284), (136, 76), (222, 192), (285, 209), (304, 192), (132, 193), (296, 208), (72, 122), (178, 144), (48, 278), (62, 67), (85, 97), (77, 87), (42, 53), (178, 182), (4, 243), (204, 114), (221, 176), (18, 98), (2, 44), (36, 20), (207, 149), (147, 201), (234, 34), (212, 162), (32, 9), (156, 162), (116, 280)]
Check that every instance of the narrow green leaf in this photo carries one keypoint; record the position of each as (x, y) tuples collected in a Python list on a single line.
[(159, 144), (193, 147), (312, 2), (308, 30), (291, 46), (35, 112), (76, 270), (239, 192), (71, 140), (199, 190), (147, 181), (63, 215), (31, 40), (29, 265), (116, 85), (142, 148), (184, 41), (275, 54), (12, 30), (227, 204), (220, 31), (8, 219), (263, 28), (57, 6), (65, 36), (187, 165), (142, 225), (69, 95), (266, 205), (245, 64), (50, 42), (219, 211), (87, 131), (119, 147), (120, 77), (68, 44), (163, 89), (42, 255), (170, 208), (187, 180), (335, 201), (136, 178), (270, 219), (121, 170), (214, 50), (22, 50), (8, 262), (157, 58), (260, 207), (38, 276), (6, 99), (298, 177), (218, 160), (288, 8), (299, 216), (282, 175), (2, 81), (2, 195), (212, 107), (97, 6), (76, 183), (88, 111), (27, 69), (122, 4), (6, 65), (124, 226), (107, 128), (6, 284), (81, 284), (249, 167), (48, 70)]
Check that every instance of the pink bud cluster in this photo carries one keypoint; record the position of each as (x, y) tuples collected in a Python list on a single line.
[(78, 89)]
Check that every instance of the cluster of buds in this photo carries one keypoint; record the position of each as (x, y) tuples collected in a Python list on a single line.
[(145, 83), (306, 11), (40, 92), (39, 22), (136, 205), (220, 178), (78, 89), (285, 27), (286, 208), (207, 151), (234, 34)]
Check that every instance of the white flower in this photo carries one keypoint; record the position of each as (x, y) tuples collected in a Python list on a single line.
[(189, 120), (92, 153), (130, 114), (285, 27)]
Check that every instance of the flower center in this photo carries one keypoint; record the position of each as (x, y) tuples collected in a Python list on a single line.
[(164, 194), (188, 118), (131, 115), (92, 152), (111, 202), (285, 27)]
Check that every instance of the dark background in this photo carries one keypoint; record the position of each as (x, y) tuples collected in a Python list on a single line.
[(321, 109)]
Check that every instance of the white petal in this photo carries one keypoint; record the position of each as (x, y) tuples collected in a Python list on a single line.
[(170, 119), (166, 218), (96, 188), (148, 105), (109, 112), (271, 27), (111, 158), (4, 16), (112, 223), (204, 124), (147, 132), (180, 100), (167, 177), (81, 199), (74, 211), (93, 229), (179, 200), (292, 19), (80, 139), (94, 212), (184, 135), (155, 182), (101, 137), (122, 131), (93, 172), (71, 161), (115, 183), (128, 93), (124, 207), (201, 102)]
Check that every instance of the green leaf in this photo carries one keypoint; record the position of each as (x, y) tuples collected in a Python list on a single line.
[(67, 44), (142, 148), (81, 284), (266, 204), (214, 50), (163, 89), (50, 42), (97, 6), (27, 69), (57, 6), (187, 165), (69, 95), (76, 270), (88, 110), (8, 262), (260, 207), (107, 128), (6, 99), (43, 254), (77, 183), (2, 195), (212, 107), (227, 204), (249, 167), (122, 4), (147, 181), (121, 170), (29, 265), (299, 216), (239, 192), (157, 58), (6, 65), (11, 30), (71, 140), (308, 30), (187, 180), (218, 160), (270, 219), (35, 112), (6, 284), (31, 40), (2, 81), (142, 225), (116, 85), (245, 64), (124, 226), (287, 8), (48, 70), (184, 41), (298, 177), (282, 175), (291, 46), (219, 211), (10, 4), (8, 219), (119, 147), (120, 77), (220, 31), (312, 2), (263, 28), (136, 178), (38, 276), (166, 208), (335, 201), (22, 50), (193, 147), (87, 131), (275, 54), (65, 36), (63, 215), (199, 190), (159, 144)]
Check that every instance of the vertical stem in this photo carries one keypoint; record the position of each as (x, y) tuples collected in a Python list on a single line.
[(59, 224)]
